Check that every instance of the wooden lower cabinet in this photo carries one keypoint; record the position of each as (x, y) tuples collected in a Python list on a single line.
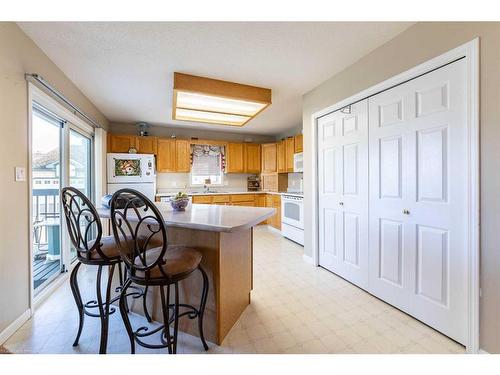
[(221, 199), (248, 200), (202, 199), (274, 201)]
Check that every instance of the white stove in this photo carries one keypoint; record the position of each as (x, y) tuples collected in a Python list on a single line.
[(292, 217)]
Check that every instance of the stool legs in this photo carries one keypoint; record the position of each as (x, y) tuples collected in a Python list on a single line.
[(203, 303), (176, 316), (166, 316), (124, 314), (78, 300), (168, 339), (104, 308)]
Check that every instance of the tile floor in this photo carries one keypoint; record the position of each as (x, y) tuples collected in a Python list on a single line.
[(296, 308)]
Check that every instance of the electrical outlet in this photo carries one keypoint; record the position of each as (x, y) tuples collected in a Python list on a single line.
[(20, 174)]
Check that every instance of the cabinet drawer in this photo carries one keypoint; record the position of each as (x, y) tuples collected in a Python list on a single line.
[(242, 198), (248, 204), (204, 199), (220, 199)]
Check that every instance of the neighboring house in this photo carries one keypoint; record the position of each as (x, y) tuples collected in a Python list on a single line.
[(46, 175)]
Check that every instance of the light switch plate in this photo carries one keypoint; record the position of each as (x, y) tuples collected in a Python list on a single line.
[(20, 174)]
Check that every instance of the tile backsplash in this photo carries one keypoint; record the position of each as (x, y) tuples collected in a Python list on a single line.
[(166, 182), (295, 182)]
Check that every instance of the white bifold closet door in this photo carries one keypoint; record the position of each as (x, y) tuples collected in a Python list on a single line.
[(392, 197), (343, 192), (418, 198)]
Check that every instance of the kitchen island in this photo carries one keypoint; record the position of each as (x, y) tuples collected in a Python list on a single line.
[(224, 235)]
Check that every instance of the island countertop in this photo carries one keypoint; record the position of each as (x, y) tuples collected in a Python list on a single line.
[(214, 218)]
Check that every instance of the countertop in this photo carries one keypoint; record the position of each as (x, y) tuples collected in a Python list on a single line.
[(210, 217), (170, 194)]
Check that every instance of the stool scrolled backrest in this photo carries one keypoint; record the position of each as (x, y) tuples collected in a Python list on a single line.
[(83, 222), (139, 230)]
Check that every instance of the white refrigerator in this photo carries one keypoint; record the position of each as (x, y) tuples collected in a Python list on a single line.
[(132, 171)]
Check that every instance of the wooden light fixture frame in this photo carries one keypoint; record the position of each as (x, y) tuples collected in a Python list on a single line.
[(222, 89)]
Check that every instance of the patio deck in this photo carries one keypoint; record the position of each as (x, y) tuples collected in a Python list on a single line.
[(43, 270)]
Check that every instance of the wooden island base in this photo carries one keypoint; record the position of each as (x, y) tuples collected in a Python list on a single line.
[(227, 260)]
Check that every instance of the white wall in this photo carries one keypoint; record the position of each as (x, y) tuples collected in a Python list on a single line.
[(19, 55)]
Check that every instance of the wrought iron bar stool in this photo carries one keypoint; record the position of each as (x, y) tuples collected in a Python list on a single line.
[(85, 231), (151, 265)]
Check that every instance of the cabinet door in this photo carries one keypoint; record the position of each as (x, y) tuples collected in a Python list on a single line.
[(252, 158), (277, 217), (289, 151), (298, 143), (147, 145), (281, 157), (118, 143), (269, 158), (165, 159), (183, 156), (202, 199), (235, 158)]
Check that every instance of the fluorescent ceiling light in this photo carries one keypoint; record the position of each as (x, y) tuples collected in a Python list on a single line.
[(188, 100), (200, 99), (211, 117)]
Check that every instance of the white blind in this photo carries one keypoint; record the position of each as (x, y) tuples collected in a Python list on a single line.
[(206, 165)]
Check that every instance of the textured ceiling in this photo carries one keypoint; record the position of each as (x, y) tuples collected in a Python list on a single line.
[(126, 68)]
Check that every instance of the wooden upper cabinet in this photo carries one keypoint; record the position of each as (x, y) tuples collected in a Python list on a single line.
[(289, 151), (281, 157), (235, 158), (147, 145), (166, 157), (119, 143), (269, 158), (298, 143), (183, 155), (252, 158)]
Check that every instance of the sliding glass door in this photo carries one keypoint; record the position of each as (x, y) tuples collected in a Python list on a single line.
[(46, 211), (80, 172), (61, 156)]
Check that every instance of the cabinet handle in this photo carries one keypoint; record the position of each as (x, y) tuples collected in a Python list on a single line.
[(406, 212), (341, 203)]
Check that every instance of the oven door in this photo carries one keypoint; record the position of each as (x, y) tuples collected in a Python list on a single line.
[(292, 211)]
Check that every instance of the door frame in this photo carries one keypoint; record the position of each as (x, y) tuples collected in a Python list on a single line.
[(35, 94), (470, 52)]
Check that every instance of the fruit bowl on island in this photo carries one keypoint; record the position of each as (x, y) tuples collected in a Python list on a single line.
[(179, 202)]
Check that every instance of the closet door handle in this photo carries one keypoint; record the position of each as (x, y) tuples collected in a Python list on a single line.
[(406, 212), (341, 203)]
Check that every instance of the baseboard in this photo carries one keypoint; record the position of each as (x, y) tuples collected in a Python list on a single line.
[(481, 351), (308, 259), (14, 326)]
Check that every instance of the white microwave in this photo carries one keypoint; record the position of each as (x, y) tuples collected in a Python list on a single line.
[(298, 162), (128, 168)]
